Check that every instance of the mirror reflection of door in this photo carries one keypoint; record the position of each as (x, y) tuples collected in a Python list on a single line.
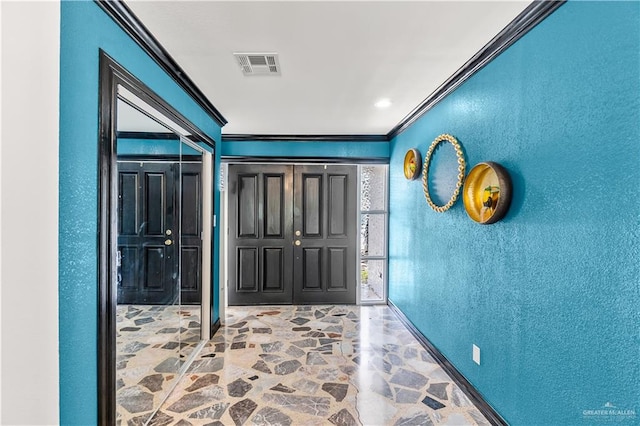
[(146, 216), (155, 196), (159, 256)]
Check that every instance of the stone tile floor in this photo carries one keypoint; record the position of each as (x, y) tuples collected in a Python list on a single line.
[(313, 365), (152, 343)]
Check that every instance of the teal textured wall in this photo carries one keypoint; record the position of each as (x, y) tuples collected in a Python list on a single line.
[(84, 29), (551, 293), (293, 149)]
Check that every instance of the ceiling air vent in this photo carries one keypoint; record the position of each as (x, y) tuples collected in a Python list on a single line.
[(258, 63)]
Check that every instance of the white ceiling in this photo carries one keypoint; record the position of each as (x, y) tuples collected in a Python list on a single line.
[(337, 58)]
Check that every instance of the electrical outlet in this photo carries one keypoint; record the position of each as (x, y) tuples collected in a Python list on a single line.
[(476, 354)]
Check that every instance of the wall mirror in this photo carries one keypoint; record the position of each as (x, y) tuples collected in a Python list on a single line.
[(155, 247), (443, 172)]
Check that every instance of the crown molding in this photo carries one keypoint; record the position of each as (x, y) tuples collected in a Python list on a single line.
[(123, 16)]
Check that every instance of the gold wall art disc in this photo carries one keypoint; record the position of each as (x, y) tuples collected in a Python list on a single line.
[(412, 164), (487, 193), (444, 138)]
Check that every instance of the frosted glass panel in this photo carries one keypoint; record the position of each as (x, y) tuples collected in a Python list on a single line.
[(372, 280), (372, 235), (373, 188)]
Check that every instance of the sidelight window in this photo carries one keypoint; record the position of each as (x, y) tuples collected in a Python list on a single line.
[(373, 233)]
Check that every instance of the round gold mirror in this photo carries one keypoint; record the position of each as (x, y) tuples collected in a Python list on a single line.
[(412, 164), (487, 192), (448, 183)]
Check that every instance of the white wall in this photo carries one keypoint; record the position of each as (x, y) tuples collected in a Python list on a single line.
[(29, 84)]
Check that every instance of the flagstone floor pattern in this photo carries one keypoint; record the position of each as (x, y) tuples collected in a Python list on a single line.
[(312, 365), (152, 343)]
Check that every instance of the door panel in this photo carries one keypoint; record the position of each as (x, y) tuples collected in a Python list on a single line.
[(129, 204), (337, 213), (274, 199), (273, 269), (247, 269), (190, 270), (128, 278), (324, 263), (312, 267), (260, 236), (311, 205), (157, 205), (337, 269), (191, 233), (247, 216), (154, 268)]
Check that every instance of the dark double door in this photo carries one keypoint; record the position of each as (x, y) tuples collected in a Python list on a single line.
[(159, 232), (292, 234)]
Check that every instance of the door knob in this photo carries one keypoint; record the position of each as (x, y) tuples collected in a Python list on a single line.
[(167, 242), (298, 242), (298, 233), (168, 232)]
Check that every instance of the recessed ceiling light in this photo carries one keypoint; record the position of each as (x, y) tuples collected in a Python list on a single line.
[(383, 103)]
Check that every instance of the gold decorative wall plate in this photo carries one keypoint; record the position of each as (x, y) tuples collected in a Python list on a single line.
[(461, 166), (487, 192), (412, 164)]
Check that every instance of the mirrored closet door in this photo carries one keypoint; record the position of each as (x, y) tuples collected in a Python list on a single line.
[(158, 262)]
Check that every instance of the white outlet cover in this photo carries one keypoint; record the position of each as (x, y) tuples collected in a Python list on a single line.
[(476, 354)]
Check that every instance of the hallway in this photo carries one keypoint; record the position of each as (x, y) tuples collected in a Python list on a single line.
[(314, 365)]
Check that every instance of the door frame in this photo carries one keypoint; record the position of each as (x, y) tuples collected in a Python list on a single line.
[(111, 76), (224, 211)]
